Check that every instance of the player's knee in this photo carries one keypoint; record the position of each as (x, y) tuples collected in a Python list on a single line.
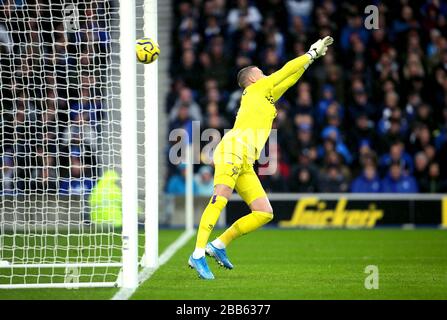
[(223, 190), (262, 205), (269, 216), (269, 209), (263, 217)]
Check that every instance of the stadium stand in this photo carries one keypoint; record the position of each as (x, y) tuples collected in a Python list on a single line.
[(377, 101), (370, 117)]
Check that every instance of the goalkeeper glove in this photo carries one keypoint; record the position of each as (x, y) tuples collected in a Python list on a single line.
[(319, 48)]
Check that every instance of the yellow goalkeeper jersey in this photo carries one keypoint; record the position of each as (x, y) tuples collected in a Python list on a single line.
[(257, 110)]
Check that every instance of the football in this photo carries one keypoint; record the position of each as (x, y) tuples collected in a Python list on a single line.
[(147, 50)]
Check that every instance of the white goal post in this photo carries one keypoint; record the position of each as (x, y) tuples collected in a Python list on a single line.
[(71, 204)]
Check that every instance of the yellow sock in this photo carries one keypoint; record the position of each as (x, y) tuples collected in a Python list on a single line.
[(209, 219), (245, 225)]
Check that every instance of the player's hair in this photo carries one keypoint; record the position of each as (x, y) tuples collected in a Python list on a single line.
[(242, 76)]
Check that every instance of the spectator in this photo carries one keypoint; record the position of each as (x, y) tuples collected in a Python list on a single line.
[(332, 134), (390, 111), (362, 133), (43, 175), (275, 182), (421, 165), (398, 182), (300, 8), (212, 27), (442, 135), (204, 181), (275, 172), (272, 37), (186, 100), (405, 22), (303, 180), (303, 141), (244, 15), (277, 10), (331, 180), (214, 119), (323, 104), (397, 154), (177, 182), (219, 61), (333, 158), (7, 175), (303, 102), (379, 42), (367, 182), (361, 106), (188, 70), (80, 132), (435, 184), (387, 68), (420, 138), (424, 116), (353, 28), (79, 181), (392, 134)]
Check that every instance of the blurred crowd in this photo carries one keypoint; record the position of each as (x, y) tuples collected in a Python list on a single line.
[(371, 116), (52, 89)]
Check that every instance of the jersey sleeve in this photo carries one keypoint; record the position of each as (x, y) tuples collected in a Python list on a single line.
[(288, 70), (282, 87)]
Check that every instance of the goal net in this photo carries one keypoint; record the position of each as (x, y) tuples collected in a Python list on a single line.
[(68, 185)]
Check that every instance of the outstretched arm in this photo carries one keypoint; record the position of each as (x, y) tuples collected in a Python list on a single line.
[(290, 70), (295, 68), (282, 87)]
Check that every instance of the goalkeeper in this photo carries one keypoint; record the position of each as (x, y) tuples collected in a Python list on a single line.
[(235, 154)]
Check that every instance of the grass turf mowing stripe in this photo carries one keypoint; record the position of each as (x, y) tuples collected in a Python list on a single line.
[(295, 264), (146, 273), (166, 238), (313, 264)]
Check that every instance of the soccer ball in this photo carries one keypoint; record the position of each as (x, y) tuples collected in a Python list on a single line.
[(147, 50)]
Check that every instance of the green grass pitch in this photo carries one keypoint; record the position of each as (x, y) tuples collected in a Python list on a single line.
[(297, 264)]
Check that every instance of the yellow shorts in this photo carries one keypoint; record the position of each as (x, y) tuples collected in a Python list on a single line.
[(237, 173)]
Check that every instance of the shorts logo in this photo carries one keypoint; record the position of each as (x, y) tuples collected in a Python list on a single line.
[(213, 199), (235, 171)]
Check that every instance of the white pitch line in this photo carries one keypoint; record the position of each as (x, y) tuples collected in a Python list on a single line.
[(146, 273)]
